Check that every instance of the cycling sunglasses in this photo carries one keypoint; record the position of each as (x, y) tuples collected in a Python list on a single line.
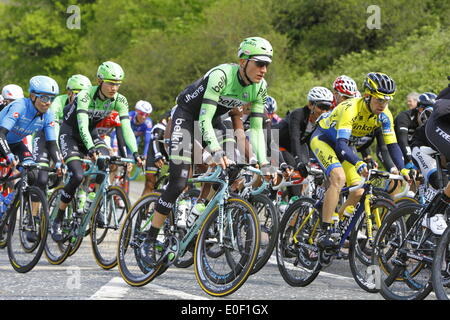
[(45, 98), (143, 114), (260, 63), (323, 106)]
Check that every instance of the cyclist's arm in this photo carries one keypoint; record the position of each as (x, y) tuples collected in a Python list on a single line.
[(50, 137), (121, 145), (4, 147), (383, 152), (387, 128), (130, 139), (83, 102), (296, 118), (148, 135), (401, 128), (209, 107)]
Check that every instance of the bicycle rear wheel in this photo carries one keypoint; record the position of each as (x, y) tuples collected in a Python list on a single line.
[(268, 220), (105, 226), (132, 235), (405, 270), (297, 254), (225, 274), (24, 253)]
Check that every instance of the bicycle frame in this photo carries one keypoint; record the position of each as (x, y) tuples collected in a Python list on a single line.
[(219, 199)]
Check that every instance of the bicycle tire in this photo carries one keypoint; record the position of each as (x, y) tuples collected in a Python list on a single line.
[(236, 274), (35, 254), (103, 237), (298, 263), (440, 270), (61, 250), (360, 250), (398, 282), (130, 267), (269, 224)]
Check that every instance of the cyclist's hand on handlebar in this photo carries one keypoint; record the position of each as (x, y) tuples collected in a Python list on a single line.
[(287, 170), (361, 168), (60, 168), (12, 160), (93, 154), (269, 172), (159, 163), (408, 174), (139, 159), (220, 159)]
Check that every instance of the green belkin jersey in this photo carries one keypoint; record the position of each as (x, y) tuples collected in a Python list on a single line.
[(88, 110), (217, 92), (57, 108)]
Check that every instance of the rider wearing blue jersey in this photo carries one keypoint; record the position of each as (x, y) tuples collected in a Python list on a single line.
[(26, 116)]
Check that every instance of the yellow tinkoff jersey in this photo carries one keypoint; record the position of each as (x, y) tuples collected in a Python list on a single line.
[(352, 120)]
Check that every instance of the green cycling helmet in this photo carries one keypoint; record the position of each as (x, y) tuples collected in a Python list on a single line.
[(110, 71), (78, 82), (255, 48)]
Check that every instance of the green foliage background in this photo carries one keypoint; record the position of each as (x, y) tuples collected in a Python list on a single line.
[(163, 45)]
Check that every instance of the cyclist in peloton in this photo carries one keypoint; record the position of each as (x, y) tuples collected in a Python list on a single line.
[(332, 140), (222, 88), (157, 154), (437, 130), (26, 116), (271, 110), (296, 128), (75, 84), (10, 93), (345, 88), (406, 124), (79, 136)]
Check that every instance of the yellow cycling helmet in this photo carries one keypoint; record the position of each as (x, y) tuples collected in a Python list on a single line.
[(380, 86)]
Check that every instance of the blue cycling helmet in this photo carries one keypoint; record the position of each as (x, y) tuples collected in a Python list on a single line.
[(427, 99), (271, 105), (43, 84)]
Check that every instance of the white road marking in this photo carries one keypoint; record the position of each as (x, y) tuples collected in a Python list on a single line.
[(117, 288)]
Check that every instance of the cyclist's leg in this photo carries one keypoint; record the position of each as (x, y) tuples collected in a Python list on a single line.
[(352, 178), (151, 172), (438, 133), (180, 162), (332, 167), (40, 156)]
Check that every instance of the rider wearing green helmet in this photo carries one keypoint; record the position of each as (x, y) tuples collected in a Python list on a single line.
[(223, 88), (79, 136), (254, 49)]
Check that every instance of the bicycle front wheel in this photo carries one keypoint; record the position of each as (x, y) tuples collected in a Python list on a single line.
[(361, 246), (105, 231), (238, 237), (27, 233), (441, 267), (132, 235)]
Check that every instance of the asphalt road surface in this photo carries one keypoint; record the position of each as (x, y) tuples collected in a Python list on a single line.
[(80, 278)]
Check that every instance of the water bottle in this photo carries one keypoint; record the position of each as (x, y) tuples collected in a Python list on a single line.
[(183, 209), (335, 219), (196, 211), (89, 200), (81, 200), (348, 212)]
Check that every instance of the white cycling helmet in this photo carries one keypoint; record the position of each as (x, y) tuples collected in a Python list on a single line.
[(144, 106), (320, 95), (12, 92)]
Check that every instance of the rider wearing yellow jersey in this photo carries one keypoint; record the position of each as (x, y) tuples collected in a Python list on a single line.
[(332, 144)]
